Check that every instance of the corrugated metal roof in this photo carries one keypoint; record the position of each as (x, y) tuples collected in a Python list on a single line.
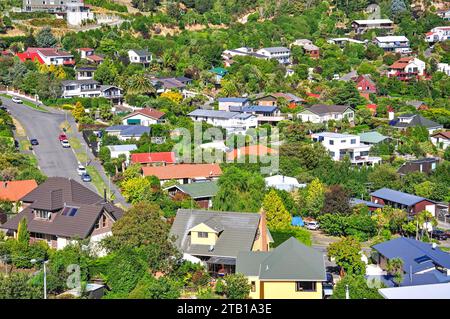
[(397, 196)]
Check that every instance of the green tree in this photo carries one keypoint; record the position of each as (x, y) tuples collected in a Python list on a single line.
[(277, 215), (136, 189), (78, 111), (18, 286), (347, 254), (358, 288), (45, 38), (314, 199), (236, 286), (23, 236), (395, 268)]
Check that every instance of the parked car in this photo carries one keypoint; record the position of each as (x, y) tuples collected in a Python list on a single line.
[(327, 290), (3, 108), (16, 100), (330, 279), (86, 177), (439, 234), (65, 144), (16, 144), (62, 137), (34, 141), (81, 170), (312, 225)]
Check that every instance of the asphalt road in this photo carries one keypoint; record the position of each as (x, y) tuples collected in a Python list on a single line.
[(44, 126)]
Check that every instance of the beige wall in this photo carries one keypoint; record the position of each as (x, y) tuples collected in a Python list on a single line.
[(286, 290), (196, 240)]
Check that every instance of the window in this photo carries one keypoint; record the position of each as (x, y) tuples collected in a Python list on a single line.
[(202, 234), (253, 284), (331, 142), (104, 221), (305, 286), (97, 224), (353, 141), (343, 141), (43, 214)]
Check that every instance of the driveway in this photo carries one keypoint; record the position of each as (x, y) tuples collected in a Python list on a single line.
[(53, 160)]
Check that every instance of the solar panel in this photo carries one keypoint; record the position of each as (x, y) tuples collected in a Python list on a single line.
[(69, 211), (73, 211), (422, 259)]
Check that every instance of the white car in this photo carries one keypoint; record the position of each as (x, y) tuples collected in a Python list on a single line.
[(81, 170), (313, 225), (16, 100), (65, 144)]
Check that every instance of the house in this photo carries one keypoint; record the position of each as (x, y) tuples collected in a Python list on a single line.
[(89, 54), (397, 44), (74, 10), (118, 150), (438, 34), (272, 99), (219, 73), (444, 68), (281, 54), (282, 182), (425, 165), (441, 139), (321, 113), (342, 42), (418, 105), (77, 13), (226, 102), (112, 93), (165, 84), (228, 55), (361, 26), (44, 6), (350, 76), (140, 56), (146, 117), (231, 121), (47, 56), (290, 271), (216, 238), (342, 145), (126, 132), (13, 191), (444, 14), (85, 72), (310, 49), (61, 210), (217, 146), (154, 159), (371, 206), (184, 173), (372, 138), (201, 192), (407, 68), (412, 204), (402, 122), (428, 291), (91, 88), (251, 150), (365, 84), (372, 107), (257, 110), (423, 263)]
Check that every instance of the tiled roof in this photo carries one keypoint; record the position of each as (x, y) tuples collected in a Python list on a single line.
[(180, 171), (443, 134), (156, 157), (149, 112), (14, 190), (251, 150)]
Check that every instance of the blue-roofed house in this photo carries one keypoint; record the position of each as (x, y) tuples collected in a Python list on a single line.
[(232, 121), (412, 204), (423, 263), (226, 102), (126, 132)]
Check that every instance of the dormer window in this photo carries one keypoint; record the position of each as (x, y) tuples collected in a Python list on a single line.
[(43, 214), (202, 234)]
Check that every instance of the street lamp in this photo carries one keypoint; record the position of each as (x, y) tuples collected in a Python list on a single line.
[(44, 262)]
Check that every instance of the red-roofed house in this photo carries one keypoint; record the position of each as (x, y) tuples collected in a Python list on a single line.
[(314, 95), (372, 108), (48, 56), (438, 34), (407, 68), (251, 150), (13, 191), (154, 159), (145, 117), (441, 139), (88, 54), (184, 173), (364, 84)]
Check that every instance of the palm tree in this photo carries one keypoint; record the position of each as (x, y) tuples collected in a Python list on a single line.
[(423, 219), (139, 84), (395, 268)]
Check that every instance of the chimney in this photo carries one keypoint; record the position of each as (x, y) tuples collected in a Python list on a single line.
[(104, 195), (263, 230), (433, 245)]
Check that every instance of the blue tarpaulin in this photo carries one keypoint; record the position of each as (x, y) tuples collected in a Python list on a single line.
[(297, 221)]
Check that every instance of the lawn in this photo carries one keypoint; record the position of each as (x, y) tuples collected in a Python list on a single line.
[(75, 143), (25, 145), (281, 236), (96, 179), (26, 102)]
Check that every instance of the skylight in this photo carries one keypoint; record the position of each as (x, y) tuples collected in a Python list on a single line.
[(69, 211), (422, 259)]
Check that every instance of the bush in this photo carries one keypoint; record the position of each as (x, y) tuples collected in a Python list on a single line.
[(357, 225), (280, 236)]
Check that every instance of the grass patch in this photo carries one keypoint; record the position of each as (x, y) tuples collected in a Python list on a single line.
[(26, 102), (81, 157), (75, 143), (96, 179), (280, 236), (24, 145)]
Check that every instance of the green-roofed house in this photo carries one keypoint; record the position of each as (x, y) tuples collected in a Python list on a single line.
[(219, 72), (290, 271), (372, 138), (201, 192)]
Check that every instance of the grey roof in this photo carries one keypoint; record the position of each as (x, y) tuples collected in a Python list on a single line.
[(233, 99), (357, 201), (291, 260), (54, 195), (142, 53), (213, 113), (79, 82), (434, 291), (321, 109), (238, 234), (129, 130), (418, 120), (349, 76), (416, 255), (415, 103), (397, 196), (276, 49), (372, 137)]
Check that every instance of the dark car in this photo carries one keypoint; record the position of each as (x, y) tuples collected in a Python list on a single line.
[(3, 108), (34, 141), (330, 279), (16, 144), (86, 177), (439, 234)]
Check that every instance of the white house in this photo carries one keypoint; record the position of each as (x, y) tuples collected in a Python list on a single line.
[(126, 132), (441, 139), (397, 44), (341, 145), (117, 150), (228, 55), (281, 54), (226, 102), (140, 56), (48, 56), (438, 34), (77, 13), (85, 73), (407, 68), (282, 182), (321, 113), (146, 117), (90, 88), (232, 121), (444, 67)]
